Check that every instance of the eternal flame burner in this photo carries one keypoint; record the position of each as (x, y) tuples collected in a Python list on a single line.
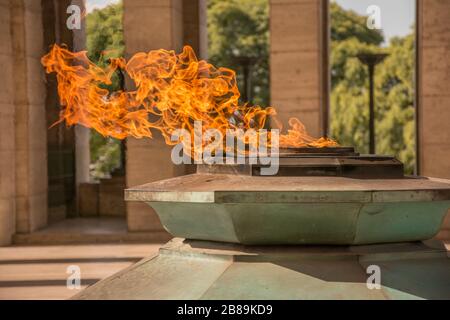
[(319, 197), (308, 203)]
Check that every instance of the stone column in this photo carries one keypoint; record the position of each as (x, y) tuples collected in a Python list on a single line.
[(434, 88), (7, 134), (82, 134), (298, 62), (149, 25), (30, 129), (195, 31), (61, 145), (433, 113), (82, 151)]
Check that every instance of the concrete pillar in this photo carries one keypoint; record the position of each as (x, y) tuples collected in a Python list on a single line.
[(30, 129), (149, 25), (298, 62), (68, 148), (434, 93), (195, 30), (434, 88), (7, 134), (82, 134)]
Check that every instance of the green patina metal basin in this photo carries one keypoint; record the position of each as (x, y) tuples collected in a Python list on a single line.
[(189, 269), (297, 210)]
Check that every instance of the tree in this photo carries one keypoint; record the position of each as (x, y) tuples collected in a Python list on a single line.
[(394, 89), (105, 33), (104, 41), (396, 113), (347, 24), (241, 28)]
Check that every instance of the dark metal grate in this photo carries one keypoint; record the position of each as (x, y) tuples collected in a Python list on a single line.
[(329, 162), (318, 152)]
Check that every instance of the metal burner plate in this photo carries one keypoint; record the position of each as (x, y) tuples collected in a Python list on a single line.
[(309, 164), (319, 152)]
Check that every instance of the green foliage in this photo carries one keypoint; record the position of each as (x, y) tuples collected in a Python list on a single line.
[(105, 32), (105, 155), (241, 28), (394, 89), (349, 96), (348, 24), (395, 102), (104, 41), (105, 37)]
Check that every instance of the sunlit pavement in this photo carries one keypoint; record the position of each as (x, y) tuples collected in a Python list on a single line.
[(41, 272)]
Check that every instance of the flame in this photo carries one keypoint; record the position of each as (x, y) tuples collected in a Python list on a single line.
[(172, 91), (297, 136)]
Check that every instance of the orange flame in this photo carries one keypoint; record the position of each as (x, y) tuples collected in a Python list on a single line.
[(172, 91)]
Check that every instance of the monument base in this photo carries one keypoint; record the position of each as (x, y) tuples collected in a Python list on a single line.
[(189, 269)]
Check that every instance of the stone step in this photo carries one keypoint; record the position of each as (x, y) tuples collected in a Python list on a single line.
[(90, 230), (40, 272), (74, 238)]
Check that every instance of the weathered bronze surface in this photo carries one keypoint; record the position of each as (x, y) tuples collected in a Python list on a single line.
[(324, 151), (329, 162), (209, 270), (297, 210)]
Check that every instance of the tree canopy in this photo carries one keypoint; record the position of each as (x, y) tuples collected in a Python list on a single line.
[(394, 88), (104, 40), (347, 24), (241, 29), (105, 32)]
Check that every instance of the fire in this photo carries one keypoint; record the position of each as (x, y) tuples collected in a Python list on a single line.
[(171, 92), (297, 136)]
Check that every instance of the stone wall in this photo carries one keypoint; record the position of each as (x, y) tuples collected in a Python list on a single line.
[(298, 62), (194, 26), (23, 162), (61, 140), (434, 88), (7, 134), (82, 134), (434, 93), (30, 128), (149, 25)]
